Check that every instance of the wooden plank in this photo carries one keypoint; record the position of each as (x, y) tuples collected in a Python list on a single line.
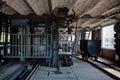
[(39, 6), (102, 6), (90, 21), (7, 10), (84, 5), (100, 22), (19, 6), (30, 7), (109, 23), (112, 11)]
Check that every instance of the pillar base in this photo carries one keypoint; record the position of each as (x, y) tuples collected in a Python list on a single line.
[(57, 72)]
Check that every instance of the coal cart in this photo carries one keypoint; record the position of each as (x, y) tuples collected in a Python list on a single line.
[(90, 48)]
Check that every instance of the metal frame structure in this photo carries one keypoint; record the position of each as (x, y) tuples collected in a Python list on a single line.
[(66, 42), (22, 47), (65, 51)]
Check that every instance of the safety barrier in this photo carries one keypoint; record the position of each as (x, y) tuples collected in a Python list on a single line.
[(28, 46)]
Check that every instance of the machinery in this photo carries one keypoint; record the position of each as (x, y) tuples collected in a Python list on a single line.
[(65, 49)]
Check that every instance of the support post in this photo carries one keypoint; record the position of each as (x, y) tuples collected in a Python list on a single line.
[(22, 59), (6, 40), (56, 39)]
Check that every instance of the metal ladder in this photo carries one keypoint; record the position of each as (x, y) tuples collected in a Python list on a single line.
[(77, 39)]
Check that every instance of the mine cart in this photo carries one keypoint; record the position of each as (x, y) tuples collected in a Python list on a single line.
[(90, 48)]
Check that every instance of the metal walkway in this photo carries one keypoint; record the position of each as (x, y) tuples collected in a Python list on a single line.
[(79, 71)]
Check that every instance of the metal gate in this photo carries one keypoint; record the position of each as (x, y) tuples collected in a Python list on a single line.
[(28, 46)]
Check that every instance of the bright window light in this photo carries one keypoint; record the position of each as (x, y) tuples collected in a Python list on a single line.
[(108, 37)]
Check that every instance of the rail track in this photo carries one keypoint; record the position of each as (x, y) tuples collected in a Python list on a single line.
[(13, 74), (25, 72)]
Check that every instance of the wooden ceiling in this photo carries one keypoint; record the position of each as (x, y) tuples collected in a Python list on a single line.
[(89, 13)]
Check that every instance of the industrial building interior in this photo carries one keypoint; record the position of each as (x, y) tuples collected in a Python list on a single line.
[(59, 39)]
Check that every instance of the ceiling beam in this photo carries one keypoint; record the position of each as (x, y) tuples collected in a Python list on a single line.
[(94, 20), (39, 6), (112, 11), (87, 6), (87, 21), (19, 6), (109, 23), (29, 17), (74, 2), (63, 3), (82, 21), (90, 21), (97, 17), (8, 9), (98, 23), (50, 6), (70, 18), (75, 7), (102, 6), (29, 6), (103, 22), (84, 5)]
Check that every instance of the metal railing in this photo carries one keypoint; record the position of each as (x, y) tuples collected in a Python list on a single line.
[(28, 46)]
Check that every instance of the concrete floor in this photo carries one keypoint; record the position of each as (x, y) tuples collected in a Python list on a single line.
[(79, 71)]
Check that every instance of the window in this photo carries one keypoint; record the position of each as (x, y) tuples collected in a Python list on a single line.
[(88, 35), (108, 37), (4, 34)]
